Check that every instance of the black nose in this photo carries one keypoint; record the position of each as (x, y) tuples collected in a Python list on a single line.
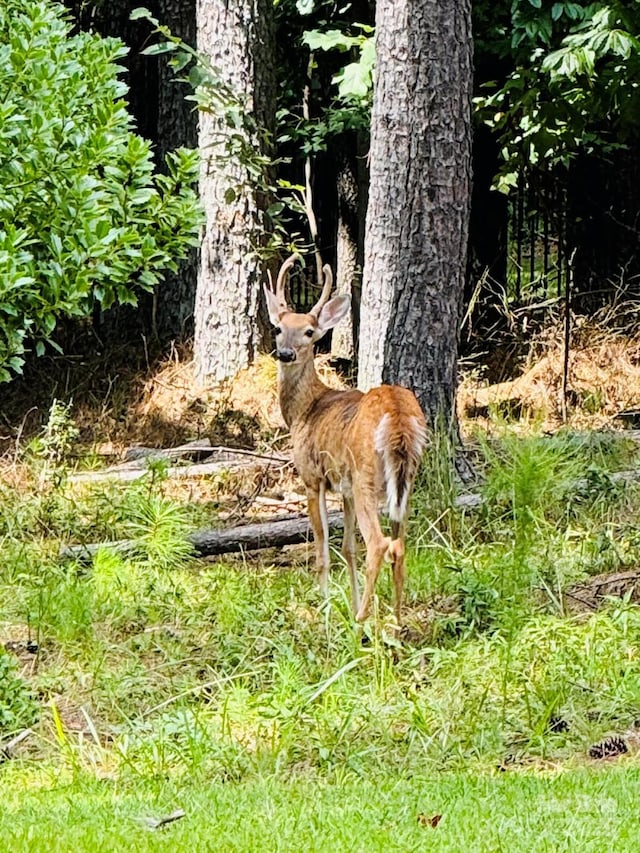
[(286, 355)]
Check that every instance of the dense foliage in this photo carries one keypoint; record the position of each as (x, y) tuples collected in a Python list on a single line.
[(559, 68), (554, 78), (571, 82), (18, 707), (83, 216), (335, 58)]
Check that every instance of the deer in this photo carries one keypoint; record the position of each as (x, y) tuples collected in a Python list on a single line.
[(368, 446)]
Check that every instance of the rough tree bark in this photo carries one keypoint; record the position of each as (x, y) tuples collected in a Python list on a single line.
[(419, 197), (351, 187), (174, 298), (238, 39)]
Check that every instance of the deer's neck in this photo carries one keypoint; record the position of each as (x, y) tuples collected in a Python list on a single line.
[(298, 388)]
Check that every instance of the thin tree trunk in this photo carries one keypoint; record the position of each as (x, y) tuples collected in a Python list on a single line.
[(238, 39), (174, 298), (419, 196), (349, 246)]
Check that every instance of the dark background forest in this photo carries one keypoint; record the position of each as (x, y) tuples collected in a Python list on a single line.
[(572, 175)]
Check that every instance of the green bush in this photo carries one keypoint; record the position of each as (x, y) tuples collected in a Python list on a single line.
[(17, 706), (83, 217)]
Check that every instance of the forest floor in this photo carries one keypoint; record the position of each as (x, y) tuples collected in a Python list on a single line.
[(150, 700)]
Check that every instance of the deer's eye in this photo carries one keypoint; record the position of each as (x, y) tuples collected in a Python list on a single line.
[(277, 331), (309, 333)]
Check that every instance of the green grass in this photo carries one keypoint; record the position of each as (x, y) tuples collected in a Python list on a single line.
[(581, 810), (230, 689)]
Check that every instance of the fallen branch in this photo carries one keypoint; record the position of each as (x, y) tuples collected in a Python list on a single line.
[(287, 530), (201, 469), (7, 748), (138, 454)]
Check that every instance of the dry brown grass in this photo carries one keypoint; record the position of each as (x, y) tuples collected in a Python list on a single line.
[(118, 402), (603, 381)]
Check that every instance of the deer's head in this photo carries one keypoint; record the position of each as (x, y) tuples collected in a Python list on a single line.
[(296, 334)]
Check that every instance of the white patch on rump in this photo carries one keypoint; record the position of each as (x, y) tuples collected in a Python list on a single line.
[(397, 507)]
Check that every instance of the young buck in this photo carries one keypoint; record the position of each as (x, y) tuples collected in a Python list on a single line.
[(368, 446)]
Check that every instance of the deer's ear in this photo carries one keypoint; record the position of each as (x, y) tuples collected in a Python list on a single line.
[(274, 307), (333, 312)]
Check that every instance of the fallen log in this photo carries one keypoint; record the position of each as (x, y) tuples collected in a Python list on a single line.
[(287, 530), (201, 469), (138, 454)]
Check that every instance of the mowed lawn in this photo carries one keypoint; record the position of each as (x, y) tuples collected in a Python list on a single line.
[(582, 809)]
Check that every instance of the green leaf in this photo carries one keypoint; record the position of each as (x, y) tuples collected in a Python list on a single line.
[(305, 7), (354, 81), (159, 48), (103, 228), (317, 40), (368, 55), (275, 209), (16, 364), (197, 76), (141, 12)]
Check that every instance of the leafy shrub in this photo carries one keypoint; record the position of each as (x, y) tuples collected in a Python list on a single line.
[(83, 217), (17, 705)]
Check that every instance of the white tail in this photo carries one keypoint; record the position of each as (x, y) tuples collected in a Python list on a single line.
[(366, 445), (399, 449)]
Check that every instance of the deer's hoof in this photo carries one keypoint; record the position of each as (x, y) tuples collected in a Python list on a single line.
[(362, 615)]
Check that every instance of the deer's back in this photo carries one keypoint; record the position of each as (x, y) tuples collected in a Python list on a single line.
[(340, 433)]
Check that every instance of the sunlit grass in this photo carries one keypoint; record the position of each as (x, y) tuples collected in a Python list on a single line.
[(576, 810), (229, 689)]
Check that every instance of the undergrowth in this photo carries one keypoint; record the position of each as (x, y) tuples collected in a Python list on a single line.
[(147, 662)]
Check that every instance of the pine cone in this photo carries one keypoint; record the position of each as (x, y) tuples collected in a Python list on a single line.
[(608, 748), (557, 725)]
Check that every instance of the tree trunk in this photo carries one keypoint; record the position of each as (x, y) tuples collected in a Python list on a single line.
[(419, 196), (238, 40), (174, 298), (349, 246)]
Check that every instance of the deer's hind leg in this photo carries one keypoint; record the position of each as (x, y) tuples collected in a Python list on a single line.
[(396, 549), (377, 544)]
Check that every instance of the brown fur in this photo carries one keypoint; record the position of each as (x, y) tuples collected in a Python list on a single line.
[(335, 435)]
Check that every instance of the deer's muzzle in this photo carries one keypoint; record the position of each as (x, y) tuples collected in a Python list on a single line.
[(286, 355)]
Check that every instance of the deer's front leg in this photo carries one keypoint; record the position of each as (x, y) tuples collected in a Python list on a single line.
[(349, 549), (317, 509)]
